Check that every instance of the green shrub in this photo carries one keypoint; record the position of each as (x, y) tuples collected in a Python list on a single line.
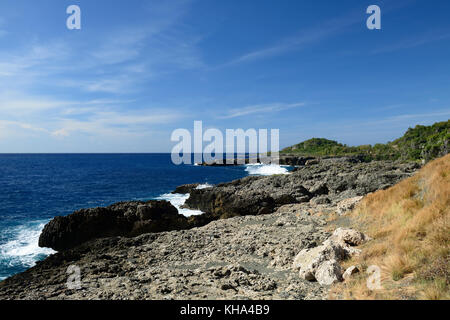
[(421, 142)]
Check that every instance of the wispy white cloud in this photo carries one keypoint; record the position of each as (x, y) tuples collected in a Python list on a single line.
[(400, 120), (22, 125), (61, 118), (310, 36), (114, 123), (113, 63), (418, 116), (301, 40), (259, 109), (415, 41), (15, 106), (122, 46), (119, 84), (24, 65), (19, 105)]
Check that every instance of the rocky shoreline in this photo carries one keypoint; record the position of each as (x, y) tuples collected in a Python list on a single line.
[(243, 246)]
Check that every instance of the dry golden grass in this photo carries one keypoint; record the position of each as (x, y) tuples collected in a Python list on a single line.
[(410, 224)]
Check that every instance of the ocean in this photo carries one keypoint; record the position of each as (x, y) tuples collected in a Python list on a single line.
[(34, 188)]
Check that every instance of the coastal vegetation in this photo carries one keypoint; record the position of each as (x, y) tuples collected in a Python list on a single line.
[(418, 143), (410, 225)]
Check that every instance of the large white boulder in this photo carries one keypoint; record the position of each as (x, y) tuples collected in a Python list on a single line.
[(329, 272), (326, 256), (349, 237), (308, 260)]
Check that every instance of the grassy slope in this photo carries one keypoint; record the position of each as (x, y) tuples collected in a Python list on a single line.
[(410, 224), (421, 142)]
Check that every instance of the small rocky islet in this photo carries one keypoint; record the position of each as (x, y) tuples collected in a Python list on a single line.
[(265, 237)]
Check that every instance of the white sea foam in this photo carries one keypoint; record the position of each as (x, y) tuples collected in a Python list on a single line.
[(177, 200), (23, 247), (204, 186), (265, 169)]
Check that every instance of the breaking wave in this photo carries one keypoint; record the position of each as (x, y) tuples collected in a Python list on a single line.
[(265, 169), (177, 200), (22, 250)]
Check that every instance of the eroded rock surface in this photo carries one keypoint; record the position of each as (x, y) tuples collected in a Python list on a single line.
[(126, 219), (328, 182), (238, 258)]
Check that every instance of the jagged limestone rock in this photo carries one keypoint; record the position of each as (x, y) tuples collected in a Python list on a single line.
[(329, 272), (308, 260)]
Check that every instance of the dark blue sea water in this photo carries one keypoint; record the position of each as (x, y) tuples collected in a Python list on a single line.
[(35, 188)]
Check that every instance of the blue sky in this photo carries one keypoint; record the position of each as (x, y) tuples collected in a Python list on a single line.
[(139, 69)]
